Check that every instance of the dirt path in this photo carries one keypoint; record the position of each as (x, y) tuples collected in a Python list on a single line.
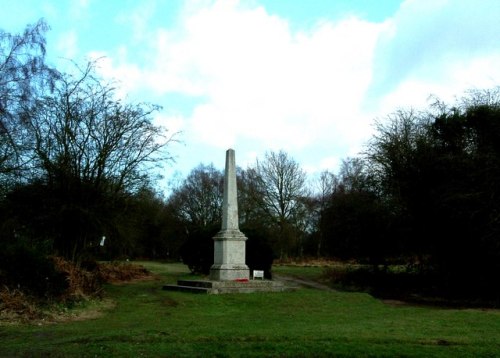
[(302, 282)]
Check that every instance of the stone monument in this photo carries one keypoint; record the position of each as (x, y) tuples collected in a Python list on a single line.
[(229, 273), (229, 242)]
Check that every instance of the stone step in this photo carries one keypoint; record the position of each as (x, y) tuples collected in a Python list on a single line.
[(195, 283), (192, 289), (219, 287), (250, 289)]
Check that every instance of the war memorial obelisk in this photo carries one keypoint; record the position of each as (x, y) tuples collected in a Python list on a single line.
[(229, 273), (229, 242)]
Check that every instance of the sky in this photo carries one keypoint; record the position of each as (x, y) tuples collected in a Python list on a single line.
[(306, 77)]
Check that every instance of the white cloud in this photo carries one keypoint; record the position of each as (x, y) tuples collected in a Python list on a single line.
[(328, 163), (435, 48), (174, 123), (49, 10), (455, 78), (138, 18), (79, 7), (260, 81), (128, 75), (261, 85), (67, 45)]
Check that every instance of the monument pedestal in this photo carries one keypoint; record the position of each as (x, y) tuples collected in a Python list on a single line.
[(229, 256), (223, 287), (229, 273)]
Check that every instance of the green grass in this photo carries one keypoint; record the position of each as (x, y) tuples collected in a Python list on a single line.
[(314, 273), (149, 322)]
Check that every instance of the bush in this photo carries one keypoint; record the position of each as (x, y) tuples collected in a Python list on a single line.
[(197, 252), (120, 272), (81, 283), (14, 303), (28, 269), (411, 284), (259, 254)]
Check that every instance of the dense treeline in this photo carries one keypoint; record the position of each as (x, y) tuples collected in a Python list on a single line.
[(439, 172), (75, 166), (427, 196)]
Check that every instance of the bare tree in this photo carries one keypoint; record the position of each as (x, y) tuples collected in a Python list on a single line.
[(91, 151), (325, 186), (391, 151), (24, 76), (281, 187), (84, 132), (250, 208), (354, 175), (198, 199), (195, 207)]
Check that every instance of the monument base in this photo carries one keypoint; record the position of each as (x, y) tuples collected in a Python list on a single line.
[(229, 272), (222, 287)]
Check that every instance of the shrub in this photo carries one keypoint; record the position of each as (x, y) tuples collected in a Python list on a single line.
[(120, 272), (197, 252), (28, 269), (259, 254), (14, 302), (81, 283)]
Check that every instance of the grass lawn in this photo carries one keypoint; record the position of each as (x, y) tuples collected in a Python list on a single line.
[(148, 322), (308, 272)]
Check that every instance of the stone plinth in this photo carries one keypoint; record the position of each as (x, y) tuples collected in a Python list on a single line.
[(229, 256), (223, 287)]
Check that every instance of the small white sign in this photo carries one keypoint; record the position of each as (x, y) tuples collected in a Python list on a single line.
[(258, 274)]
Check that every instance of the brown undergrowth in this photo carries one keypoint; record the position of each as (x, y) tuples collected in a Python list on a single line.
[(120, 272), (15, 304), (84, 287)]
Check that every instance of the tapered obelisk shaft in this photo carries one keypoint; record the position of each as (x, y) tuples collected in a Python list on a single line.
[(229, 243), (230, 200)]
